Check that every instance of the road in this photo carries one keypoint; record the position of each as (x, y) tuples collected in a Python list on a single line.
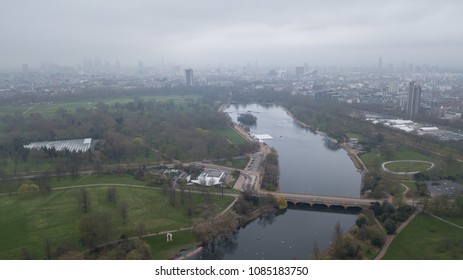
[(310, 198)]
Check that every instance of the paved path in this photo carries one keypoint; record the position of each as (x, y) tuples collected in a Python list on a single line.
[(448, 222), (406, 173), (390, 238), (328, 199)]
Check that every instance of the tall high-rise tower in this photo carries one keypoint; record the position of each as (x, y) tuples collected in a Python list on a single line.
[(141, 70), (189, 77), (414, 98)]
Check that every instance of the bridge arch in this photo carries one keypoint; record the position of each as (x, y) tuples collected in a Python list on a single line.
[(303, 205), (337, 207), (354, 208), (320, 206)]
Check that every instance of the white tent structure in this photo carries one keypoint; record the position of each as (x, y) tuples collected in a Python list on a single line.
[(76, 145)]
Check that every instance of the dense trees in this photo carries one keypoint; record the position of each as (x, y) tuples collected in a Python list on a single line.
[(211, 230), (445, 206), (362, 241), (247, 119), (271, 178), (391, 216), (142, 131)]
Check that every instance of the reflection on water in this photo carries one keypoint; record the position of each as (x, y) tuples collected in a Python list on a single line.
[(330, 144), (309, 163), (287, 235)]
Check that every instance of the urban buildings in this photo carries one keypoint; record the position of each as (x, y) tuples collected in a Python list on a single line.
[(189, 76), (414, 96), (140, 67)]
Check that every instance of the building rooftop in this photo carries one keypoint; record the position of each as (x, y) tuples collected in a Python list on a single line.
[(75, 145)]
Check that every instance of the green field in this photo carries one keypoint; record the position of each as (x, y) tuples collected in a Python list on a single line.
[(27, 221), (50, 109), (427, 238), (410, 185), (95, 179), (410, 166), (162, 250), (123, 178), (374, 159), (232, 136), (455, 220)]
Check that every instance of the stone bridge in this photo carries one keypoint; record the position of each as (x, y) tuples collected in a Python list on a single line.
[(327, 202)]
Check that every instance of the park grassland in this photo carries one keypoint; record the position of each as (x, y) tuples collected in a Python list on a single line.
[(49, 109), (374, 159), (410, 166), (27, 221), (426, 237), (232, 136)]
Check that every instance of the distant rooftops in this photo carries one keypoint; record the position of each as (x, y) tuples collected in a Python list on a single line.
[(75, 145)]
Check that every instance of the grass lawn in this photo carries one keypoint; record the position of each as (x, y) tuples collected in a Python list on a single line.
[(374, 159), (455, 220), (52, 108), (32, 219), (410, 185), (231, 135), (397, 189), (235, 163), (81, 180), (95, 179), (162, 250), (427, 238)]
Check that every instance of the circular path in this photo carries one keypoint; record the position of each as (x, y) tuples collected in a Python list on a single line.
[(431, 165)]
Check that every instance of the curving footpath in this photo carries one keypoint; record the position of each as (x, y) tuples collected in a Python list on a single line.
[(390, 238), (406, 173)]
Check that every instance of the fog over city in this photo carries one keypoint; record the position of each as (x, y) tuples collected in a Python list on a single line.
[(209, 32)]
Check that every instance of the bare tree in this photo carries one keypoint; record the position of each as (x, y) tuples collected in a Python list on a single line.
[(111, 194), (337, 242), (95, 229), (26, 254), (123, 208), (47, 249), (140, 229), (182, 193), (190, 203), (84, 200), (218, 227)]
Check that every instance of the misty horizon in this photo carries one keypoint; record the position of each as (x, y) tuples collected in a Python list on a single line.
[(211, 33)]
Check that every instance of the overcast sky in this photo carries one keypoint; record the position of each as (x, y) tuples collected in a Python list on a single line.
[(197, 33)]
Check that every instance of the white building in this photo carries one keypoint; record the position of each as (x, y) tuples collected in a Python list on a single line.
[(211, 178), (75, 145)]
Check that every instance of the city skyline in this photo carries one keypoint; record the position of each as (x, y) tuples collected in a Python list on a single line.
[(209, 33)]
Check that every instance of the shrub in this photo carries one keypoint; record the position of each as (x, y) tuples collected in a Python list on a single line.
[(25, 189)]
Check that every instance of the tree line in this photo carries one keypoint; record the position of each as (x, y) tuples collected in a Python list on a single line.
[(137, 131)]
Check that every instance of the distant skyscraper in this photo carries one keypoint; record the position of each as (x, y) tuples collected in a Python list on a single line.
[(380, 62), (25, 68), (189, 76), (140, 67), (414, 97), (299, 71)]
